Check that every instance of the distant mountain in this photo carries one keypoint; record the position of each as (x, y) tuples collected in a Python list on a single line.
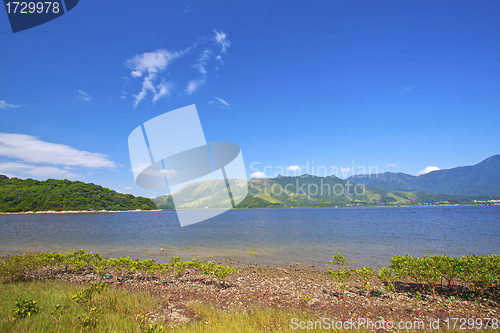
[(209, 193), (18, 195), (300, 191), (480, 179)]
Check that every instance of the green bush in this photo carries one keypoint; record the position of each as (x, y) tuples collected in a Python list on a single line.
[(366, 274), (343, 274), (24, 307), (480, 274)]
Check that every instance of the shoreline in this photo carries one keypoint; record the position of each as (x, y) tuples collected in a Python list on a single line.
[(78, 211), (282, 288), (172, 209)]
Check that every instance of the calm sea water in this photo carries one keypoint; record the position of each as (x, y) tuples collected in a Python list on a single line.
[(366, 236)]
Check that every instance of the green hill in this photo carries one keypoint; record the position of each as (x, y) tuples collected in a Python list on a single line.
[(17, 195), (305, 191)]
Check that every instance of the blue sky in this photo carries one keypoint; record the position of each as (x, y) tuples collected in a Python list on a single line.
[(396, 85)]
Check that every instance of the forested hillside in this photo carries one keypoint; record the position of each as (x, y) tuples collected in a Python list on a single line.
[(17, 195), (308, 191)]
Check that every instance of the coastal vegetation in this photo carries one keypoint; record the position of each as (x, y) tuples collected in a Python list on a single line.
[(21, 267), (479, 275), (33, 298), (123, 311), (18, 195)]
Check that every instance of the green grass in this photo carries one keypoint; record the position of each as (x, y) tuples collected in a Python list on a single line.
[(117, 316), (213, 319), (121, 315)]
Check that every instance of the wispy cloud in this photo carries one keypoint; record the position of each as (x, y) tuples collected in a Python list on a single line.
[(220, 103), (185, 11), (427, 170), (150, 63), (23, 170), (202, 61), (5, 105), (406, 89), (33, 150), (391, 165), (258, 174), (220, 39), (82, 95), (149, 66), (163, 89), (193, 85), (128, 188)]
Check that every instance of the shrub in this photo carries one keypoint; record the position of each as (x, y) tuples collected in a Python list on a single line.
[(341, 276), (24, 307), (366, 273)]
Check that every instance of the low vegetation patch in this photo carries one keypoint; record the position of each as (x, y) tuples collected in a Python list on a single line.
[(124, 295), (54, 306)]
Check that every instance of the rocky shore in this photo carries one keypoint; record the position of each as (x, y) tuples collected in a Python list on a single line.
[(290, 287)]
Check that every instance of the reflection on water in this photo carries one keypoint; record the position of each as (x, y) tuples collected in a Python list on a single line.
[(366, 236)]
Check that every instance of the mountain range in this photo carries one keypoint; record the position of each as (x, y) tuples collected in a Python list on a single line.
[(480, 179), (457, 185)]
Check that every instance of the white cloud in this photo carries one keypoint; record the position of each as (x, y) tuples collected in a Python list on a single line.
[(391, 165), (143, 168), (219, 102), (163, 89), (21, 170), (149, 67), (147, 84), (220, 38), (128, 188), (151, 63), (33, 150), (258, 174), (201, 63), (170, 172), (5, 105), (345, 171), (293, 168), (193, 85), (427, 170), (84, 96)]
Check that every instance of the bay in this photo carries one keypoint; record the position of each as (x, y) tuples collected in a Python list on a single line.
[(309, 236)]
